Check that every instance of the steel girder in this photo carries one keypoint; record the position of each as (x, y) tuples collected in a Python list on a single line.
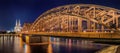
[(63, 18)]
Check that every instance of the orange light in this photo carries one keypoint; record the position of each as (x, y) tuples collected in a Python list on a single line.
[(27, 39)]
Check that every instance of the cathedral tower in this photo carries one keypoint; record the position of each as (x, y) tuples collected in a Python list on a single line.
[(17, 27)]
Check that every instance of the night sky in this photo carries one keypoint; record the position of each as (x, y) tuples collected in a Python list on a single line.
[(29, 10)]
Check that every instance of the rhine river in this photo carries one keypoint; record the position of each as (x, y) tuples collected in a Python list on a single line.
[(12, 44)]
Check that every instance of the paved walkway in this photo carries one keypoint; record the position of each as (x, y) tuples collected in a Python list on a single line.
[(111, 49)]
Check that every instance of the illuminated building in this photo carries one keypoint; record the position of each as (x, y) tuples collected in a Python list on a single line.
[(17, 27)]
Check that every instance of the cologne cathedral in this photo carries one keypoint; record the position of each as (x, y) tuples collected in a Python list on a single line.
[(17, 27)]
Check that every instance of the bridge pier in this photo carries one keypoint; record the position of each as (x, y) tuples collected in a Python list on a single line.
[(27, 39), (35, 39), (20, 35)]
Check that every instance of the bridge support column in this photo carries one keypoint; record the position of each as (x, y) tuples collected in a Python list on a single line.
[(94, 13), (72, 24), (79, 25), (69, 22), (102, 25), (27, 39), (117, 22), (20, 35), (49, 39), (113, 16), (94, 27), (102, 28), (88, 24)]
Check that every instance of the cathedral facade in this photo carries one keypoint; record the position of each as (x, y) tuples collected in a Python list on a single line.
[(17, 27)]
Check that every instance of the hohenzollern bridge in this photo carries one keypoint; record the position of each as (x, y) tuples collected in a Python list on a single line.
[(77, 20)]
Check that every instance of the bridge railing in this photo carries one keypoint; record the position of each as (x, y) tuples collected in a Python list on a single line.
[(99, 30)]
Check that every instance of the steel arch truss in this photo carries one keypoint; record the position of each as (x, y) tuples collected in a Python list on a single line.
[(76, 18)]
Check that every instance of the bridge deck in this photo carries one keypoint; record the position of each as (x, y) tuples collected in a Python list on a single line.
[(9, 34), (78, 34)]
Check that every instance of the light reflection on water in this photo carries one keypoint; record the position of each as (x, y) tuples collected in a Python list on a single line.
[(68, 45), (59, 45)]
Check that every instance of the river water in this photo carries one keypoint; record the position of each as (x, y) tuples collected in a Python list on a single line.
[(12, 44)]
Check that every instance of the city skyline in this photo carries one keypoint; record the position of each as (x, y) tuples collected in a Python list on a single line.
[(28, 11)]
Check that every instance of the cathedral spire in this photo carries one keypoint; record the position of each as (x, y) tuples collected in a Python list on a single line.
[(17, 27), (19, 22), (16, 22)]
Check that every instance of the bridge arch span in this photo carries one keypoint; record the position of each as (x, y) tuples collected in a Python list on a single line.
[(76, 18)]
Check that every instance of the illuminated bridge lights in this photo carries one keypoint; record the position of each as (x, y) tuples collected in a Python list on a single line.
[(77, 18)]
